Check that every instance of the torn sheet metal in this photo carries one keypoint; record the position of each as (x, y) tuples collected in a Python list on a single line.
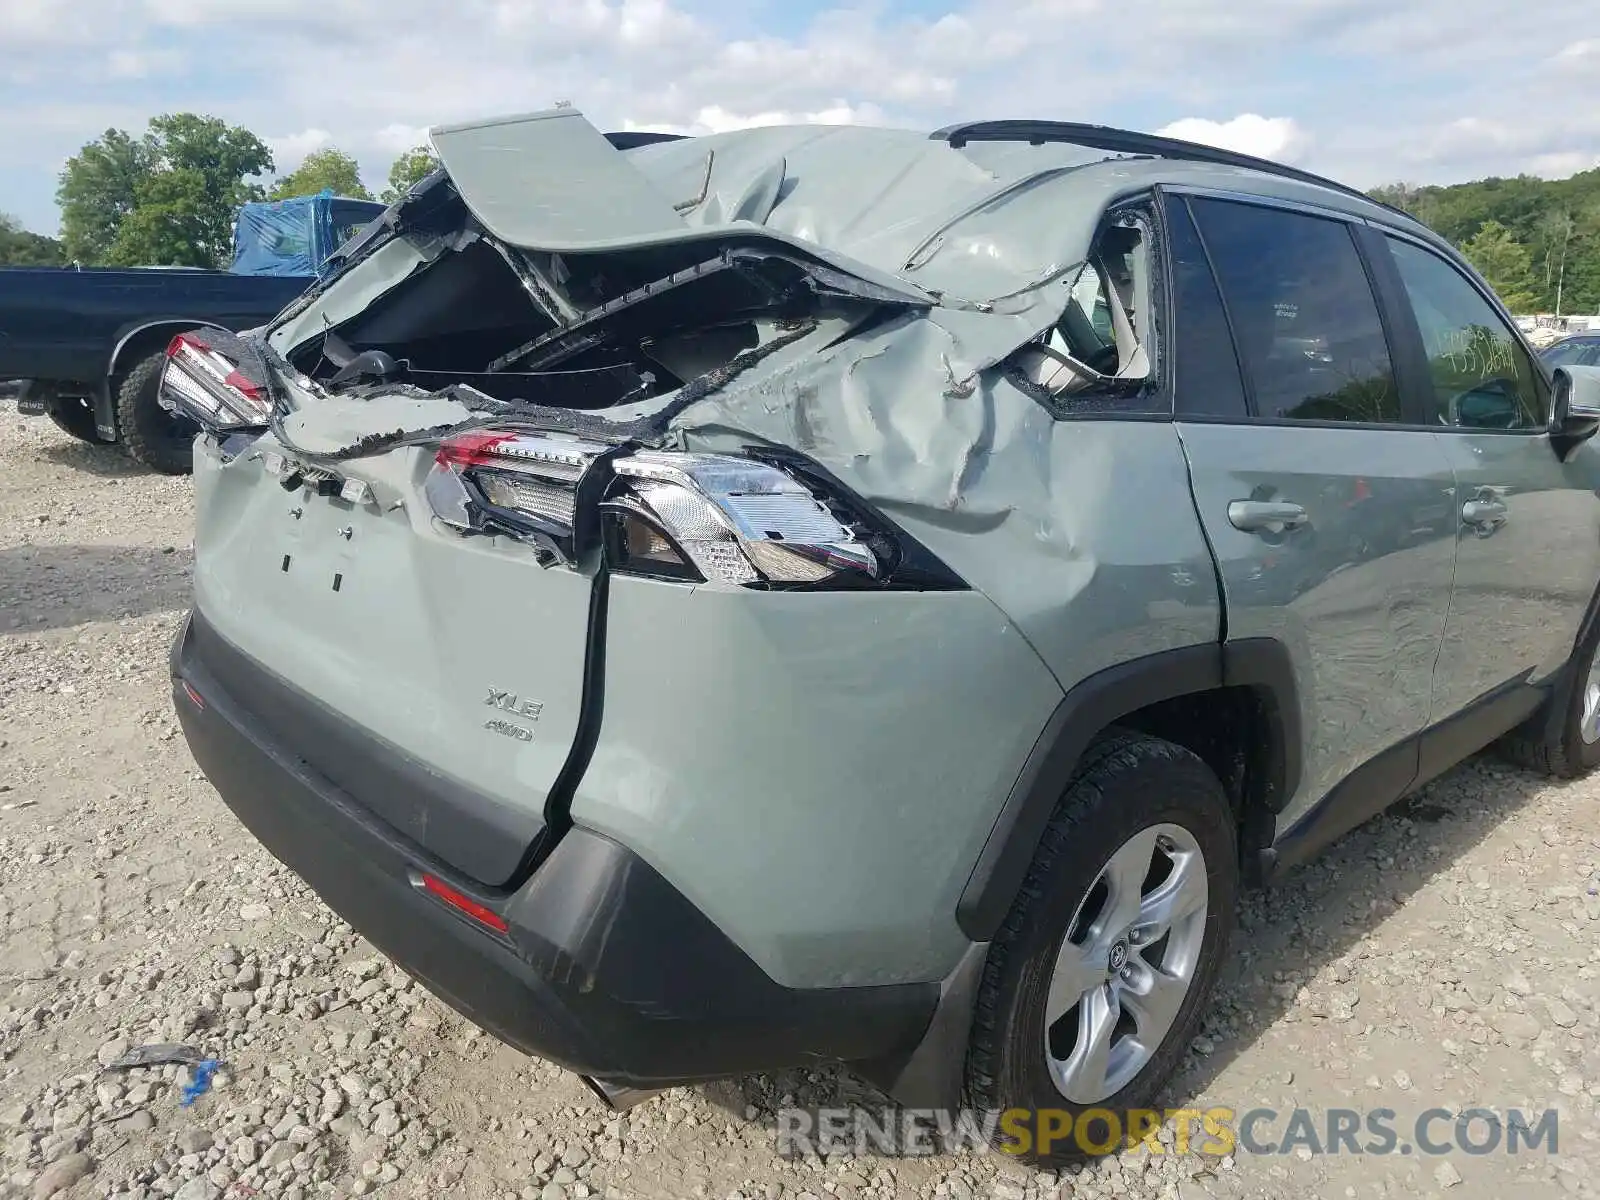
[(551, 180), (975, 224), (385, 269), (985, 477), (864, 201)]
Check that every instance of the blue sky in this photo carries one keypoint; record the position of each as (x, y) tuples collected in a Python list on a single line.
[(1365, 90)]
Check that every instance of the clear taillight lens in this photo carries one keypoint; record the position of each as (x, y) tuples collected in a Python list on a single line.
[(521, 484), (206, 385), (724, 519)]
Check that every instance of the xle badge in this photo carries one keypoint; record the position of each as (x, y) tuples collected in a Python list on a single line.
[(510, 702)]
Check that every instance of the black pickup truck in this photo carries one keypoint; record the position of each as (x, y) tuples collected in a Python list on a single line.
[(88, 345)]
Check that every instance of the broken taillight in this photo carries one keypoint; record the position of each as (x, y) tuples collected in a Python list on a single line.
[(698, 518), (206, 385), (522, 484), (719, 518)]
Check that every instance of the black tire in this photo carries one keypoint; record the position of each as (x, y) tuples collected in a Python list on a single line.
[(74, 416), (1126, 783), (1551, 741), (152, 436)]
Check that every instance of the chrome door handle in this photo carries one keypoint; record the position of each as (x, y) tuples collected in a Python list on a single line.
[(1266, 516), (1484, 515)]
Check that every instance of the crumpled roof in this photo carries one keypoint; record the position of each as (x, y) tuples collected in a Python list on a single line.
[(985, 223), (982, 222)]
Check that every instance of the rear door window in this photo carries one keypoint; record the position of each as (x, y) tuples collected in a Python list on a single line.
[(1303, 313), (1482, 376)]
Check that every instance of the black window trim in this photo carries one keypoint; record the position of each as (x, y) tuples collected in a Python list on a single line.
[(1406, 348), (1410, 401), (1412, 329), (1164, 197)]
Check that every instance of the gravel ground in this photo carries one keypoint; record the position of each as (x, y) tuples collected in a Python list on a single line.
[(1442, 956)]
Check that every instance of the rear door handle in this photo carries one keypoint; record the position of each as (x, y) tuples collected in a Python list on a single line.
[(1484, 515), (1265, 516)]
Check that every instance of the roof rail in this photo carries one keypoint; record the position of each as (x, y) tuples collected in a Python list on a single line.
[(1125, 141), (633, 138)]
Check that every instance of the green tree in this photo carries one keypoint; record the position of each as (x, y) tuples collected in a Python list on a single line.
[(165, 199), (1506, 264), (410, 168), (321, 169), (20, 248), (97, 191)]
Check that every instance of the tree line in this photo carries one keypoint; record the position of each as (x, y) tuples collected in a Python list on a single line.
[(168, 197), (1537, 241)]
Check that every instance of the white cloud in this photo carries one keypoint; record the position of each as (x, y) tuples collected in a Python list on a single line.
[(1277, 138), (290, 150), (397, 139), (716, 119), (1584, 55), (1563, 163), (126, 63)]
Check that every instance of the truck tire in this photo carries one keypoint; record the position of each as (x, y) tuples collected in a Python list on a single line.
[(152, 436), (74, 416), (1096, 982)]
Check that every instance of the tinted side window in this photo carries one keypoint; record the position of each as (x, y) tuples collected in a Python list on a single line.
[(1482, 378), (1205, 369), (1302, 310), (1573, 354)]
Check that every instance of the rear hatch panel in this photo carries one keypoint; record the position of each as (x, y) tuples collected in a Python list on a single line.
[(390, 673)]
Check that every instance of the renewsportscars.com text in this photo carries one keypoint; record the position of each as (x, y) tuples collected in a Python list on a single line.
[(1216, 1132)]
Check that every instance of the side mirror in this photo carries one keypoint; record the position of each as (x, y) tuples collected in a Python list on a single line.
[(1575, 407)]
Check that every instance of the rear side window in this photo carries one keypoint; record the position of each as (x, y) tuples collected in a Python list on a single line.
[(1205, 370), (1303, 313), (1482, 377), (1573, 354)]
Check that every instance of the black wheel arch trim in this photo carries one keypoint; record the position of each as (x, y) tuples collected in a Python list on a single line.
[(132, 333), (104, 399), (1261, 664)]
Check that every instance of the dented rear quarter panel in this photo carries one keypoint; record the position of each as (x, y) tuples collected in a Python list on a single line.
[(853, 751), (1081, 530)]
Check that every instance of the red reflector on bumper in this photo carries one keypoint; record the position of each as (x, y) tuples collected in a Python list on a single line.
[(194, 696), (465, 904)]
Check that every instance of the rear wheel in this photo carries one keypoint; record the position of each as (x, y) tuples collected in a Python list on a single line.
[(1564, 742), (1097, 981), (74, 415), (153, 437)]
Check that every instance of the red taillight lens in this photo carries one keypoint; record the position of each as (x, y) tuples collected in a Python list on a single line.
[(480, 913), (470, 449), (205, 384)]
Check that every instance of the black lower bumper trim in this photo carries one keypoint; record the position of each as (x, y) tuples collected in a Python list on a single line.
[(607, 969)]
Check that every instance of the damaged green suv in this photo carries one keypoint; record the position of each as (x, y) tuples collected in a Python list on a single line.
[(840, 594)]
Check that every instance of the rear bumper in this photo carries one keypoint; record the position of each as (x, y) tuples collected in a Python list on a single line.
[(604, 968)]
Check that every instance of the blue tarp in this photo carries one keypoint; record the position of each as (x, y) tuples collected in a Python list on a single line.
[(296, 236)]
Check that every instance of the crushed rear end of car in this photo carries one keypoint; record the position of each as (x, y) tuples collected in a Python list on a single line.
[(584, 595)]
